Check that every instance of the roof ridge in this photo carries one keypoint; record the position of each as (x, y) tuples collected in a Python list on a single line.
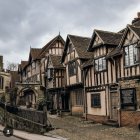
[(133, 26), (79, 36), (106, 31)]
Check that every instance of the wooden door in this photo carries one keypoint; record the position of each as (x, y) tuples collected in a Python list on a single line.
[(114, 105)]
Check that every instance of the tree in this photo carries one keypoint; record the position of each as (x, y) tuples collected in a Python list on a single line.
[(12, 66)]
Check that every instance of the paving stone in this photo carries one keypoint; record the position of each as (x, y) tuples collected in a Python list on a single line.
[(75, 128)]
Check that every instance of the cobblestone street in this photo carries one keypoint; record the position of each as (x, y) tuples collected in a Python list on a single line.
[(75, 128)]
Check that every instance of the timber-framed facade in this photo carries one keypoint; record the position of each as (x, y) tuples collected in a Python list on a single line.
[(33, 72), (99, 77), (73, 57)]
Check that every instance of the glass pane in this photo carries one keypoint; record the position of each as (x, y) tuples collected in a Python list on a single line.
[(96, 65), (104, 63), (100, 64), (131, 55), (126, 56)]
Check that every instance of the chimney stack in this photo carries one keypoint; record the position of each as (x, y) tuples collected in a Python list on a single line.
[(1, 63), (138, 15), (136, 19)]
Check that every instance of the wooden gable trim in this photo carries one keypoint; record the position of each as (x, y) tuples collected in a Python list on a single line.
[(133, 32), (92, 41), (99, 36), (65, 50), (125, 34)]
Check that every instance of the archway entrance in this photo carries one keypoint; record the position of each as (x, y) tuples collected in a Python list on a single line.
[(27, 98)]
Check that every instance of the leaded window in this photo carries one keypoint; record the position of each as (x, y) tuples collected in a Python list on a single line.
[(72, 68), (131, 55), (50, 73), (100, 64)]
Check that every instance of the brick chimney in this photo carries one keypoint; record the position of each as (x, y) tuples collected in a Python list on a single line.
[(1, 62)]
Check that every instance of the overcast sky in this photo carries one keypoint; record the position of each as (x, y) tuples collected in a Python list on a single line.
[(25, 23)]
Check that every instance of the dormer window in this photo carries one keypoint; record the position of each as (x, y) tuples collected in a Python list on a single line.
[(131, 55)]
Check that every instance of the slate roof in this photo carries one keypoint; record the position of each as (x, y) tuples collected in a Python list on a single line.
[(56, 61), (47, 46), (118, 50), (109, 38), (80, 44), (35, 52), (23, 64), (88, 63), (115, 52)]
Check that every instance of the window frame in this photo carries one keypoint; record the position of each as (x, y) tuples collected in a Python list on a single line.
[(72, 69), (132, 57), (97, 97), (100, 64), (49, 73)]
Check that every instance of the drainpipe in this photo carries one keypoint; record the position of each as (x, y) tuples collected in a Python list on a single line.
[(119, 108), (85, 97)]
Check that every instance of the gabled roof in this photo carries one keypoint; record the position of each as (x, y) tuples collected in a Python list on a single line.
[(48, 45), (56, 61), (22, 65), (118, 50), (136, 29), (34, 52), (80, 44), (108, 38)]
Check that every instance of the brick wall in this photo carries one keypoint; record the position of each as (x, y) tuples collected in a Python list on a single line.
[(130, 118)]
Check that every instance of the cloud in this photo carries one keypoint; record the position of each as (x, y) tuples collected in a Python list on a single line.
[(32, 22)]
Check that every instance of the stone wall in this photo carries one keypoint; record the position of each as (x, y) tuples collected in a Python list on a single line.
[(23, 119)]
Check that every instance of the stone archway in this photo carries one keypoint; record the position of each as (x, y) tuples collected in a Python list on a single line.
[(28, 94), (27, 97)]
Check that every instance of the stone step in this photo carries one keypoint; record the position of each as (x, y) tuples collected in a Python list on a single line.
[(111, 123)]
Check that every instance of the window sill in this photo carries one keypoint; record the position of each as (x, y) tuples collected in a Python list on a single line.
[(131, 65), (95, 106), (100, 71)]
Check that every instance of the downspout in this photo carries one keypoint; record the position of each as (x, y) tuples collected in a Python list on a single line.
[(119, 109), (85, 97)]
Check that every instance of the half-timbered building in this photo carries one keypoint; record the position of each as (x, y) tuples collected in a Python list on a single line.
[(99, 76), (127, 59), (33, 82), (56, 79), (74, 55)]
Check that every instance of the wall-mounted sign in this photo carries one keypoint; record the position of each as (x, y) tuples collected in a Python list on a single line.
[(113, 87), (128, 98)]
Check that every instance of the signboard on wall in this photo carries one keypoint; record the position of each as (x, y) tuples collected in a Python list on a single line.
[(128, 98)]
